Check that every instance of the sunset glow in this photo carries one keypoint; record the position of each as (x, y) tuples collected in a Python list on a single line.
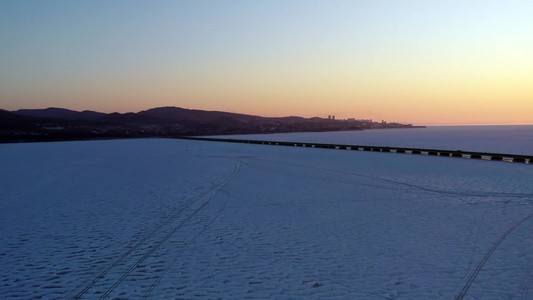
[(421, 62)]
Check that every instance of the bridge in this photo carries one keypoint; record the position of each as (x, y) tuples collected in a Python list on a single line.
[(528, 159)]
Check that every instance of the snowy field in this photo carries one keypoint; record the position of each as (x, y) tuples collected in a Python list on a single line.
[(511, 139), (180, 219)]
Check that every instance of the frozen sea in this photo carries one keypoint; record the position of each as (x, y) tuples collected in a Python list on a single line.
[(183, 219)]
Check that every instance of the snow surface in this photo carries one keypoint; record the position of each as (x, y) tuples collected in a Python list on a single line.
[(180, 219), (512, 139)]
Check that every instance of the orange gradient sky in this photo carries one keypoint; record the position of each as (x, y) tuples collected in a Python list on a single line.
[(421, 62)]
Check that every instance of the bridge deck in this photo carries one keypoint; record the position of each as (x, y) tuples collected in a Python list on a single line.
[(417, 151)]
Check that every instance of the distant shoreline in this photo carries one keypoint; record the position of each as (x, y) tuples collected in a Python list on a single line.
[(59, 124)]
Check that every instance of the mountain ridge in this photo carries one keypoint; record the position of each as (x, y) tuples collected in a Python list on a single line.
[(60, 113)]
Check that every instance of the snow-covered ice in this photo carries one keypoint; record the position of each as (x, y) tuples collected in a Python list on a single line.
[(181, 219)]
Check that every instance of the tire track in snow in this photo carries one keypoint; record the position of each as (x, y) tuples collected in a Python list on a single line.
[(80, 290), (75, 294), (152, 249), (410, 185), (443, 192), (185, 247), (486, 257), (473, 250)]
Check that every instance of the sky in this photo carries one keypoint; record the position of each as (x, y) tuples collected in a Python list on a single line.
[(412, 61)]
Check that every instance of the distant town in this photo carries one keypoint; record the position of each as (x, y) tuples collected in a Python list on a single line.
[(58, 124), (363, 121)]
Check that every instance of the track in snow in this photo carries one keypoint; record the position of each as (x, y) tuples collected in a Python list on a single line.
[(151, 247), (486, 257)]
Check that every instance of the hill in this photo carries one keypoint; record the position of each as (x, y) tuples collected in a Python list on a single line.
[(61, 113)]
